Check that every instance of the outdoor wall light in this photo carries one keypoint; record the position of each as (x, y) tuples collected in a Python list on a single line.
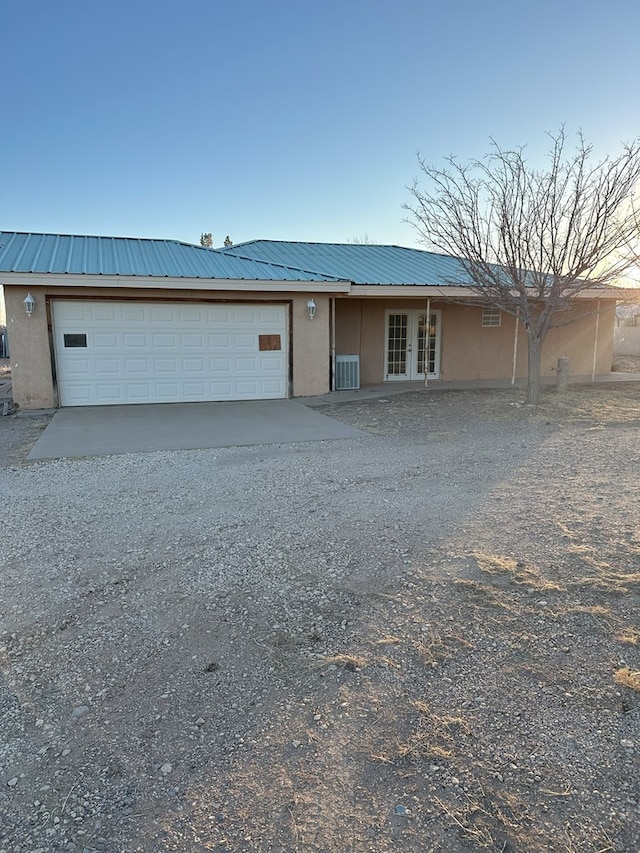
[(311, 308), (29, 304)]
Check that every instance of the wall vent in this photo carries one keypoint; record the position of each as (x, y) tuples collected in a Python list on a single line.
[(347, 372)]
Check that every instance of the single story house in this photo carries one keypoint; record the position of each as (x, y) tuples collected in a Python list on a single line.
[(112, 320)]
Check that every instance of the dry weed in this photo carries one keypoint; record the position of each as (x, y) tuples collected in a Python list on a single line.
[(432, 650), (485, 595), (630, 636), (517, 572), (589, 609), (491, 820), (628, 678), (606, 579), (463, 819), (437, 735), (343, 661)]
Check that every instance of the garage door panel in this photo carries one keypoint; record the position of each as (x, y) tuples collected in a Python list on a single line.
[(135, 340), (130, 312), (167, 392), (80, 394), (107, 368), (165, 314), (219, 366), (273, 365), (218, 315), (137, 365), (192, 366), (80, 367), (102, 340), (147, 352), (163, 340), (192, 340), (219, 341), (104, 312), (244, 341)]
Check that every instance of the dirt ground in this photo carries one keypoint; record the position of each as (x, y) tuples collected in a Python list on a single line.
[(427, 639)]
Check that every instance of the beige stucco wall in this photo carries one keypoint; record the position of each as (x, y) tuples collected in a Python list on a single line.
[(32, 357), (469, 351), (31, 374), (576, 341), (310, 345)]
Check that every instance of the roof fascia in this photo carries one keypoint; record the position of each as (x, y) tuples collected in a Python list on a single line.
[(455, 292), (411, 290), (158, 282)]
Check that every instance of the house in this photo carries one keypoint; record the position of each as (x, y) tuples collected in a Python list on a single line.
[(111, 320)]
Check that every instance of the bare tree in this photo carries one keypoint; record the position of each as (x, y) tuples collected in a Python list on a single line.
[(530, 240), (206, 240)]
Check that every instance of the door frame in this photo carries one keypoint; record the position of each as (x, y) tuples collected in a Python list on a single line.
[(412, 338)]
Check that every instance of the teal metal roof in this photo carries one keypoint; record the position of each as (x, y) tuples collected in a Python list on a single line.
[(360, 263), (84, 255)]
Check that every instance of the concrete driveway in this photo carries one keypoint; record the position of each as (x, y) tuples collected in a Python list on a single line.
[(107, 430)]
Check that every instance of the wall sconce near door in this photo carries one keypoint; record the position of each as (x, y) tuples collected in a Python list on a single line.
[(29, 304), (311, 308)]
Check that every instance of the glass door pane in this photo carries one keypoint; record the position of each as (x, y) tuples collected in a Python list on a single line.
[(426, 344), (397, 344)]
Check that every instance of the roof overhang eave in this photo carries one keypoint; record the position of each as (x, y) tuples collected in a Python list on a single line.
[(119, 282), (412, 290), (456, 293)]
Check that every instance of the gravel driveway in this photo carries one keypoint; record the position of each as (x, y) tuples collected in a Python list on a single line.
[(421, 639)]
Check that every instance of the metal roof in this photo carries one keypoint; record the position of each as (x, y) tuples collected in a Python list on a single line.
[(360, 263), (114, 256)]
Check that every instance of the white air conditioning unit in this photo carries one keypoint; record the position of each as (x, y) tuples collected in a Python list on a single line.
[(347, 372)]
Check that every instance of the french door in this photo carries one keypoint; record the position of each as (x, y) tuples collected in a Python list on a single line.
[(412, 345)]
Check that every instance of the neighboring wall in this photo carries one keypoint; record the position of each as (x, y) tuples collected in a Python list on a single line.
[(626, 340), (470, 351), (32, 356)]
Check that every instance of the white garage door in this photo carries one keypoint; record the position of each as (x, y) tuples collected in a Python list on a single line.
[(146, 352)]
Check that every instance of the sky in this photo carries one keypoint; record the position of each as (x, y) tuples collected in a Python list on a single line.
[(289, 119)]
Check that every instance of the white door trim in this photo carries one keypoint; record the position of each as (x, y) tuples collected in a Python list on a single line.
[(407, 351)]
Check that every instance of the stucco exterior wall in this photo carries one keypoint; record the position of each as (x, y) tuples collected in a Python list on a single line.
[(310, 345), (577, 341), (31, 372), (32, 355), (470, 351)]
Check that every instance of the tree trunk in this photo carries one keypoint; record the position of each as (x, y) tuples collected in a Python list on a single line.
[(533, 374)]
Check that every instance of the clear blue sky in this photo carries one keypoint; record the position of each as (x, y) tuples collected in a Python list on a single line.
[(288, 119)]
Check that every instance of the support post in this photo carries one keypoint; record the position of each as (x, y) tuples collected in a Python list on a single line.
[(515, 352), (595, 344), (562, 376), (426, 344), (333, 343)]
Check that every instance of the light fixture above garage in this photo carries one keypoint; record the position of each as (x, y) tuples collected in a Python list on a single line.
[(29, 304), (311, 308)]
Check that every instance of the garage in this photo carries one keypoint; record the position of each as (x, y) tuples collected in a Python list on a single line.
[(113, 353)]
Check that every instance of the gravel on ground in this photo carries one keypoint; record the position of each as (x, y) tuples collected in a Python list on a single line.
[(422, 639)]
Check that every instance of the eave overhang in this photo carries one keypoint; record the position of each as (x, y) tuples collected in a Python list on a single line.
[(455, 293), (132, 282)]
